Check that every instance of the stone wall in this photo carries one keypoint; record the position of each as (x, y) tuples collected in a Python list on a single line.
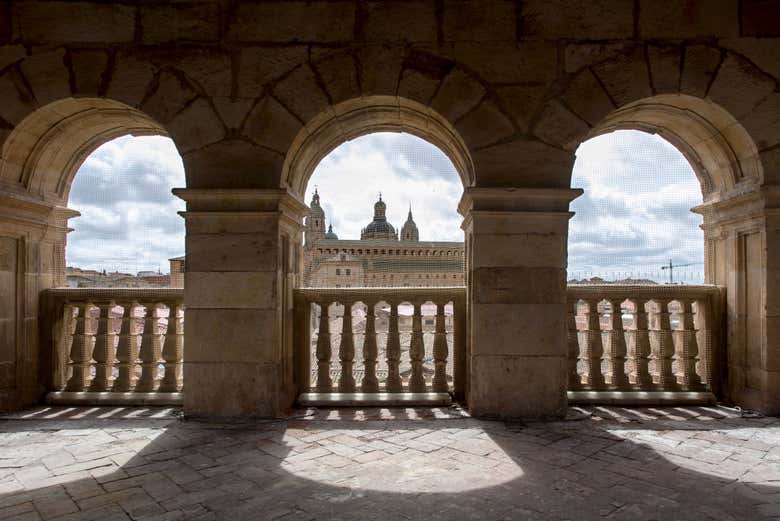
[(507, 89)]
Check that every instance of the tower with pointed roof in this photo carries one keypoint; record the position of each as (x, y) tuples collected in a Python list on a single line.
[(409, 231), (315, 220)]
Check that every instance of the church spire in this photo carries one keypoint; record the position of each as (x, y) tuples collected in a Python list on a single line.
[(409, 232)]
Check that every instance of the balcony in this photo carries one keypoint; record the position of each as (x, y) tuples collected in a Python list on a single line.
[(126, 346)]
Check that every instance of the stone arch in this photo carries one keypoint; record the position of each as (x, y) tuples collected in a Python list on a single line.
[(44, 151), (366, 115)]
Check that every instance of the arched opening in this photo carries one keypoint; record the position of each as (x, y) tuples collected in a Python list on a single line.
[(389, 293), (726, 162)]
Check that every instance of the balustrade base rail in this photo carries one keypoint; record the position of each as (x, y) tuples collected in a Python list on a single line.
[(329, 399), (642, 398), (114, 398)]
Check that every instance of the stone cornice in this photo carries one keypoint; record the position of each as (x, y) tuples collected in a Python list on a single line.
[(241, 200), (517, 199)]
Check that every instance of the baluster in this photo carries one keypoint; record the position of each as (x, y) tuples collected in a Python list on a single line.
[(81, 350), (370, 383), (593, 349), (151, 351), (573, 342), (105, 349), (417, 352), (393, 352), (347, 351), (440, 352), (663, 346), (616, 356), (127, 349), (687, 346), (640, 349), (324, 349), (173, 350)]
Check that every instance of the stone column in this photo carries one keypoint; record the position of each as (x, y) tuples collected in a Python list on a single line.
[(516, 304), (242, 248), (32, 258)]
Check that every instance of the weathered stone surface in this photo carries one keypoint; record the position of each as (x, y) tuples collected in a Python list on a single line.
[(678, 20), (524, 162), (579, 55), (520, 284), (760, 18), (88, 66), (380, 68), (587, 98), (417, 86), (762, 123), (318, 21), (233, 112), (581, 19), (399, 21), (300, 92), (559, 126), (10, 54), (170, 96), (484, 125), (698, 69), (260, 65), (232, 164), (522, 102), (196, 126), (130, 79), (231, 251), (761, 51), (218, 290), (474, 20), (198, 22), (524, 62), (78, 22), (626, 77), (664, 68), (271, 125), (47, 76), (740, 86), (210, 71), (339, 73), (458, 94)]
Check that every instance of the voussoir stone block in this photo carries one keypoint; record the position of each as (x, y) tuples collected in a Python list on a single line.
[(762, 123), (232, 111), (522, 102), (11, 54), (587, 98), (418, 86), (169, 98), (458, 94), (130, 79), (484, 125), (740, 86), (380, 68), (300, 92), (271, 125), (74, 22), (88, 68), (559, 126), (665, 68), (339, 73), (700, 64), (761, 51), (260, 65), (47, 75), (626, 77), (210, 70), (196, 126)]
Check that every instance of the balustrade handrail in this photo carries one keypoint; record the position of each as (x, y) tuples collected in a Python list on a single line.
[(85, 357), (666, 291), (440, 296)]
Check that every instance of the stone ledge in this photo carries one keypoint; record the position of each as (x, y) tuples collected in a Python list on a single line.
[(111, 398), (374, 399), (640, 398)]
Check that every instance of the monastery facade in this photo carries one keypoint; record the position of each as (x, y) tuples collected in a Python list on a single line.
[(381, 258)]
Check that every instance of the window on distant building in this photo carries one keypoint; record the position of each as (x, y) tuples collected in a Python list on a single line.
[(349, 271), (338, 271)]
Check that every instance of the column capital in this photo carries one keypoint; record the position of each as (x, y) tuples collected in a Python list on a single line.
[(240, 200), (514, 199)]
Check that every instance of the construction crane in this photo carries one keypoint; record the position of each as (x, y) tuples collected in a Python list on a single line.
[(671, 267)]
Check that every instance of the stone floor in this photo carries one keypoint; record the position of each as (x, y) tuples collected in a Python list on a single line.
[(107, 464)]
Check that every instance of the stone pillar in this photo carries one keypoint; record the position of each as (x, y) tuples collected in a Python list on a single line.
[(241, 263), (32, 258), (516, 304)]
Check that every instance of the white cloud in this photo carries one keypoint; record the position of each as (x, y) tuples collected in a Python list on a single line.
[(634, 216)]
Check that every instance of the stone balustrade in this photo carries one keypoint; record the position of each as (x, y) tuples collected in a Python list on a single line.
[(122, 346), (411, 340), (641, 339)]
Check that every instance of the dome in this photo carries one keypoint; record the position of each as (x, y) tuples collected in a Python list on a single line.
[(330, 234), (379, 228)]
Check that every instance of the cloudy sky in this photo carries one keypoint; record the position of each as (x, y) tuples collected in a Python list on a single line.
[(635, 214)]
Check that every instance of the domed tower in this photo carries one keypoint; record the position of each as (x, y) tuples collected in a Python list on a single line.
[(409, 231), (330, 234), (315, 221), (379, 229)]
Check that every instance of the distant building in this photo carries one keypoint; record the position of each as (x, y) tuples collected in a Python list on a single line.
[(79, 278), (380, 258)]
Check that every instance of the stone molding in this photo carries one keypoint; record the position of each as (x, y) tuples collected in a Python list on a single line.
[(240, 200), (513, 199)]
